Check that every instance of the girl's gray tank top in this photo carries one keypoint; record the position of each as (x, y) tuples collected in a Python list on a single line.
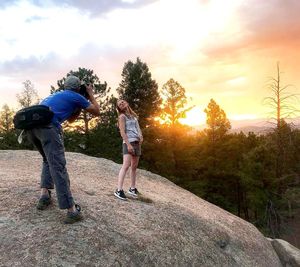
[(132, 129)]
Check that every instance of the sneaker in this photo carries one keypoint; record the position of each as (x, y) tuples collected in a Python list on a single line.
[(133, 191), (120, 194), (44, 201), (74, 216)]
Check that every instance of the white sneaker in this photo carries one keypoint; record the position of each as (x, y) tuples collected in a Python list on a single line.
[(133, 191)]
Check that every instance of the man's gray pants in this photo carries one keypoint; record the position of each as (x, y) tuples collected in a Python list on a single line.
[(49, 142)]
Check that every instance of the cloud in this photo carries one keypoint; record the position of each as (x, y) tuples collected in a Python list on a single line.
[(272, 22), (20, 66), (5, 3), (263, 25), (96, 8), (93, 7), (106, 62)]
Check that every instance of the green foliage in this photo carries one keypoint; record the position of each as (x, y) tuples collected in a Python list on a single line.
[(6, 119), (8, 140), (254, 177), (218, 124), (106, 143), (8, 134), (86, 121), (105, 140), (86, 76), (156, 151), (140, 91)]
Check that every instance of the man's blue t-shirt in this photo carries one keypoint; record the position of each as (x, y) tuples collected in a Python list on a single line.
[(64, 104)]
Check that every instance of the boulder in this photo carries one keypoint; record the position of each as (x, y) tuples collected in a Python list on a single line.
[(167, 226), (288, 254)]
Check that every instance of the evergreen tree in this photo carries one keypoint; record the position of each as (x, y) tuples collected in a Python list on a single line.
[(173, 109), (6, 119), (218, 124), (105, 140), (8, 137), (140, 91), (86, 121), (174, 103)]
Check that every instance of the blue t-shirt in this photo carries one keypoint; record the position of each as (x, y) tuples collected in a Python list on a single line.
[(64, 104)]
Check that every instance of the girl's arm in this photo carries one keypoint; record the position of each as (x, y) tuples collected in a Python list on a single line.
[(140, 133), (123, 133)]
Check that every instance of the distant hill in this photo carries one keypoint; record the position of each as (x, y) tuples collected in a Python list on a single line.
[(257, 126)]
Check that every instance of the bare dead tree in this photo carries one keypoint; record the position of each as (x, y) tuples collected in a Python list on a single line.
[(28, 96), (282, 107), (281, 101)]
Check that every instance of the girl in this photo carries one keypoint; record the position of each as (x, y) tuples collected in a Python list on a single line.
[(132, 140)]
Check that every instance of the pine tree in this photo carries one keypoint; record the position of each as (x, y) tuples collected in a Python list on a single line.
[(87, 76), (6, 119), (174, 102), (218, 124), (173, 109), (140, 91)]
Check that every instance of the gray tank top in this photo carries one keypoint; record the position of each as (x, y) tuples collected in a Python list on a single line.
[(132, 129)]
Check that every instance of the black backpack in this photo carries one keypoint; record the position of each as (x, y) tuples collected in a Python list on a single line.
[(33, 117)]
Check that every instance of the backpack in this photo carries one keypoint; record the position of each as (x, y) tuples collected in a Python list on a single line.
[(33, 117)]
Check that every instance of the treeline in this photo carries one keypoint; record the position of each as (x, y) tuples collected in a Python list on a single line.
[(253, 176)]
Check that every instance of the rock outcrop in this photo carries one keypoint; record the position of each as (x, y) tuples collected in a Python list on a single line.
[(288, 254), (168, 226)]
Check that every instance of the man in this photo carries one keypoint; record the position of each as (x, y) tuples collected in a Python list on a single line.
[(66, 105)]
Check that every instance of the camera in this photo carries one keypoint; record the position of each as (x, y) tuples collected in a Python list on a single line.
[(83, 91)]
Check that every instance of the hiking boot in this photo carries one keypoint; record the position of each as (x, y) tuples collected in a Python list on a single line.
[(120, 194), (134, 192), (74, 216), (44, 201)]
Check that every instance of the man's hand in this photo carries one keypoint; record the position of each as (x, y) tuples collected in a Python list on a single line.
[(89, 89), (93, 108)]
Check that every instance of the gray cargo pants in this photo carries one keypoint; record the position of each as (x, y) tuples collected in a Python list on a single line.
[(49, 142)]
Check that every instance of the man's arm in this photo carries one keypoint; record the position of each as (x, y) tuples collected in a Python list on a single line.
[(94, 107), (74, 116)]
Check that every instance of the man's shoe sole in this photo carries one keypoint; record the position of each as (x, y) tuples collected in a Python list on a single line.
[(43, 206), (119, 196), (73, 220)]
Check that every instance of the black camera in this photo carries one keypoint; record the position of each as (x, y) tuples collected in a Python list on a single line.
[(83, 90)]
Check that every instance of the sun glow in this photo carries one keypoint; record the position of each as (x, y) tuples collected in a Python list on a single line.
[(194, 117)]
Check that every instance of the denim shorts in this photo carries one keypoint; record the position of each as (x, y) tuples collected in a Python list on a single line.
[(137, 151)]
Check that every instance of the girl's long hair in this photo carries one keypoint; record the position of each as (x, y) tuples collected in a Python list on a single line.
[(130, 111)]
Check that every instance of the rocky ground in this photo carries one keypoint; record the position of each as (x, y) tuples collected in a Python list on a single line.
[(168, 226)]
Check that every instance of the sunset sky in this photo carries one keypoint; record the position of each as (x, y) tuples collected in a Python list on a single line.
[(220, 49)]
